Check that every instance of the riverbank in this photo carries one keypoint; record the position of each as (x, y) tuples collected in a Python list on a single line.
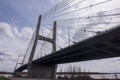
[(3, 78)]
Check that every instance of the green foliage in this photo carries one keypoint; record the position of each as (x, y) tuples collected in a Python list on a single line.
[(3, 78), (83, 78)]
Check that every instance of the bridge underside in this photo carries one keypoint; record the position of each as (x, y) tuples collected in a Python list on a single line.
[(106, 45)]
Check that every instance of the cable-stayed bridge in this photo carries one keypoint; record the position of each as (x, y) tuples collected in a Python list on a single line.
[(72, 35)]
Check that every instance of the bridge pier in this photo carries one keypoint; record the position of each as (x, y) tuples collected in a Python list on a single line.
[(20, 74), (17, 74), (43, 72)]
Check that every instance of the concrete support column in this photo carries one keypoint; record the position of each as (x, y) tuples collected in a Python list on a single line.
[(54, 36), (34, 46), (17, 74), (43, 72)]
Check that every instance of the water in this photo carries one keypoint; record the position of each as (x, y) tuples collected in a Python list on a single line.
[(6, 75), (97, 76), (107, 76)]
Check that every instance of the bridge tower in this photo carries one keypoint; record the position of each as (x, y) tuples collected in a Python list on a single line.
[(42, 71)]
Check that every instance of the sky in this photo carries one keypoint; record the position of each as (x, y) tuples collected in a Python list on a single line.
[(18, 19)]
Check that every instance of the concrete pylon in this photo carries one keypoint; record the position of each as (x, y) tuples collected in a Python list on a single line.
[(54, 36), (42, 71), (34, 47), (51, 40)]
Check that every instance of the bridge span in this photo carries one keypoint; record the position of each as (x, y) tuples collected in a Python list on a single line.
[(104, 45)]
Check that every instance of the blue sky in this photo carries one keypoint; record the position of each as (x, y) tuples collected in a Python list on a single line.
[(18, 18), (22, 12)]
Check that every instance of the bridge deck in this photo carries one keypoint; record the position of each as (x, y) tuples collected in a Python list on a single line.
[(105, 45)]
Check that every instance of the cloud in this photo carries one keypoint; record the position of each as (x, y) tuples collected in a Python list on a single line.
[(26, 32), (16, 32), (55, 1), (1, 59), (13, 42), (4, 54), (101, 65), (6, 29), (93, 25), (52, 1)]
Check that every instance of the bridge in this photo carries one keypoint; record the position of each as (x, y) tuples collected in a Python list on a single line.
[(106, 44)]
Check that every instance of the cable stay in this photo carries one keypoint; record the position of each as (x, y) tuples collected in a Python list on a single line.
[(59, 11), (88, 17), (81, 8)]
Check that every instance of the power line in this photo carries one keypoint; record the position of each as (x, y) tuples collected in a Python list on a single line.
[(83, 29), (88, 17), (60, 5), (28, 48), (62, 36), (91, 14), (81, 8), (65, 37), (69, 7), (69, 35), (114, 10), (58, 10), (88, 24), (115, 15)]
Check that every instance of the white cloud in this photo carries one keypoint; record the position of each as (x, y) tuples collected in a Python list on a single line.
[(6, 29), (27, 32), (12, 31), (55, 1), (13, 42), (104, 65), (16, 32), (52, 1)]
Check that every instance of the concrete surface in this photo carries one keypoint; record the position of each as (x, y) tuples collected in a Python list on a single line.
[(28, 79)]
